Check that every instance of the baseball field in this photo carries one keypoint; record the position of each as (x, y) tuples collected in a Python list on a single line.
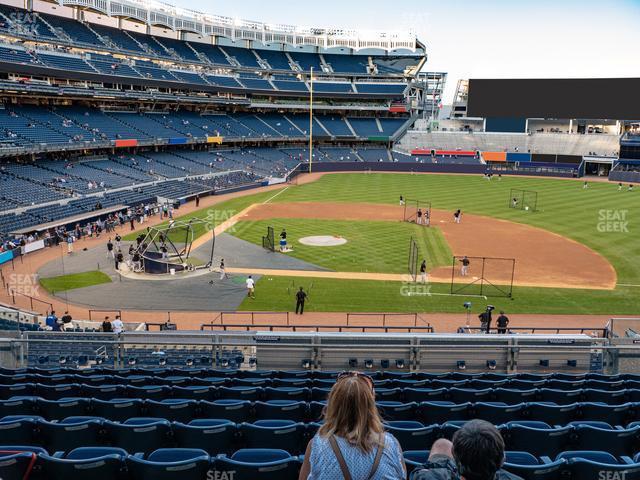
[(578, 253)]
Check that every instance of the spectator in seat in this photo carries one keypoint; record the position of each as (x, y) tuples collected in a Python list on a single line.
[(352, 443), (477, 453)]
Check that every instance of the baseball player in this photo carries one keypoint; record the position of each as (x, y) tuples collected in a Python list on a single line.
[(283, 240), (401, 200), (419, 217), (251, 287), (223, 272), (514, 202), (464, 271), (427, 218), (457, 216), (423, 271)]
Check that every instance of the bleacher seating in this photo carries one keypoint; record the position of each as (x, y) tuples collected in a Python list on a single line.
[(142, 421)]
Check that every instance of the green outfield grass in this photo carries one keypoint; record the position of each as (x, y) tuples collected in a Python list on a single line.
[(564, 207), (73, 281), (329, 295), (380, 247)]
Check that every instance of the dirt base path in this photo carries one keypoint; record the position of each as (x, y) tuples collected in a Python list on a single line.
[(543, 258)]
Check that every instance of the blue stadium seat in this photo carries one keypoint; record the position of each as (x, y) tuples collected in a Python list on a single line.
[(18, 431), (70, 433), (17, 390), (286, 434), (611, 397), (551, 414), (149, 392), (513, 396), (236, 411), (287, 393), (320, 394), (497, 413), (18, 406), (139, 434), (281, 410), (170, 464), (440, 412), (194, 392), (16, 466), (103, 392), (415, 459), (259, 464), (413, 435), (85, 463), (560, 397), (175, 410), (617, 442), (611, 414), (388, 394), (537, 441), (213, 435), (63, 408), (529, 467), (397, 410), (587, 469), (316, 410), (240, 393), (463, 395), (117, 410), (57, 392)]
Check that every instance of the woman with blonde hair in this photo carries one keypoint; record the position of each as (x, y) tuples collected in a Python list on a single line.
[(351, 443)]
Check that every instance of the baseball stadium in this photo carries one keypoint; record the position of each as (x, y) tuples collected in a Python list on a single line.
[(209, 226)]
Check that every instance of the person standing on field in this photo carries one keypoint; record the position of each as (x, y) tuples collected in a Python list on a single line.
[(251, 287), (423, 271), (464, 271), (301, 296)]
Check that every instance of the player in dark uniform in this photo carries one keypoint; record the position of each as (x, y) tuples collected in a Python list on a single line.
[(502, 322), (419, 217), (283, 240), (423, 271), (301, 296), (464, 271)]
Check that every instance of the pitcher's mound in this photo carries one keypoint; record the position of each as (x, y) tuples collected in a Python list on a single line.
[(323, 241)]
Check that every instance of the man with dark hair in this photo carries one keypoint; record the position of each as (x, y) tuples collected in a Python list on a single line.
[(477, 453), (502, 322)]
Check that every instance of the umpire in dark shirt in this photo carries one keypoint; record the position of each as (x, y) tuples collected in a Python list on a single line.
[(502, 322), (301, 296)]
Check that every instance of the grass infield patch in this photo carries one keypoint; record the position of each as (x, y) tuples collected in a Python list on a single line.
[(74, 281)]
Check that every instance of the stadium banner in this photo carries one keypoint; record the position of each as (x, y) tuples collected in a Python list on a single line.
[(459, 153), (398, 109), (518, 157), (217, 140), (126, 143), (6, 257), (378, 139), (494, 156), (177, 141), (33, 246)]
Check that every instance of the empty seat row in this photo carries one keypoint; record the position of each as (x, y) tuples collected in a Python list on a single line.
[(109, 463), (257, 389), (376, 375), (144, 434), (237, 409)]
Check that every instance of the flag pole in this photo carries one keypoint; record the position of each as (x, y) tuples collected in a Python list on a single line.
[(311, 121)]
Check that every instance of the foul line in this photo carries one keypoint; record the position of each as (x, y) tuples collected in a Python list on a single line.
[(274, 196), (627, 285)]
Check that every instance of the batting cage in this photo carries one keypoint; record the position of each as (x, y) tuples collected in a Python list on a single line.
[(413, 260), (417, 211), (482, 276), (523, 199), (268, 241)]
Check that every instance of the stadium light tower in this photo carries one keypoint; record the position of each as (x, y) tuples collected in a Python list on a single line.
[(311, 121)]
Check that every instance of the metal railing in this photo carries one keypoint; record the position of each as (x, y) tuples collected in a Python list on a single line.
[(316, 328)]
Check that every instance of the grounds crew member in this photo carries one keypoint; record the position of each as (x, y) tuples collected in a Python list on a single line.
[(301, 296)]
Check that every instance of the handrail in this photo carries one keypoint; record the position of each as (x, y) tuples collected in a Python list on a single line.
[(298, 327)]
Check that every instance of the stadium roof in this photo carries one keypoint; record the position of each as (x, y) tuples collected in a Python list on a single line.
[(177, 18)]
